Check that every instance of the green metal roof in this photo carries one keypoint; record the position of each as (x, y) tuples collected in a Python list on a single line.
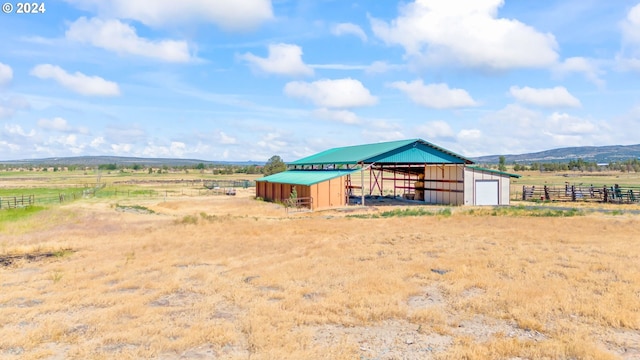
[(493, 171), (413, 151), (305, 177)]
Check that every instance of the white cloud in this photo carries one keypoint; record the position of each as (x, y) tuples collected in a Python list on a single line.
[(283, 59), (469, 135), (97, 142), (631, 26), (580, 65), (226, 139), (436, 130), (629, 57), (342, 116), (6, 74), (341, 93), (273, 142), (12, 129), (349, 29), (175, 149), (435, 96), (77, 82), (114, 35), (57, 124), (9, 146), (121, 149), (236, 15), (468, 33), (548, 98), (565, 124), (382, 130)]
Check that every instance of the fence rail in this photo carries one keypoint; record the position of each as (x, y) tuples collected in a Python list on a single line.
[(612, 194), (298, 204)]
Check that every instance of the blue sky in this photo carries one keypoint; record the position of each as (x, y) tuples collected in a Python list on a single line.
[(248, 79)]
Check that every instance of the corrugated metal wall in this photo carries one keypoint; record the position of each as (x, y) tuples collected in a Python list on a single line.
[(472, 175), (331, 193), (444, 184)]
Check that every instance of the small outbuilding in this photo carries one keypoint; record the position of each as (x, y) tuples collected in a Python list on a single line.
[(413, 170)]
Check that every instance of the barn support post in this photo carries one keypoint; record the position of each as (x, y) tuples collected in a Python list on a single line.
[(362, 184)]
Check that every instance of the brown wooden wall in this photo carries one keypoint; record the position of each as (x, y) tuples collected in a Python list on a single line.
[(330, 193)]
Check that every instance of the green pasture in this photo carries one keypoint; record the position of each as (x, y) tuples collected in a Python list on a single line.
[(597, 179), (19, 213)]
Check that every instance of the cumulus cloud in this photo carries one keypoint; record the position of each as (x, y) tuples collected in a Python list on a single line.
[(587, 67), (57, 124), (631, 26), (97, 142), (225, 139), (516, 129), (77, 82), (174, 149), (436, 130), (469, 135), (435, 96), (283, 59), (342, 116), (468, 33), (236, 15), (340, 93), (349, 29), (114, 35), (6, 74), (629, 57), (17, 130), (565, 124), (548, 98)]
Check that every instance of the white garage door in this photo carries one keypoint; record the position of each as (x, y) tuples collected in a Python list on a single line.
[(486, 192)]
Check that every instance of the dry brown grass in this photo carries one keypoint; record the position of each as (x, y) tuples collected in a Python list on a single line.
[(234, 278)]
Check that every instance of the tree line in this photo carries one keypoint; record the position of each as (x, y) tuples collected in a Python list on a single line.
[(629, 165)]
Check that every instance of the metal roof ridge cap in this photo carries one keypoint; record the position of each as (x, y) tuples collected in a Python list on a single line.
[(409, 141)]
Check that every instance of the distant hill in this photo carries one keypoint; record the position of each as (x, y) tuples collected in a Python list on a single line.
[(599, 154), (121, 160)]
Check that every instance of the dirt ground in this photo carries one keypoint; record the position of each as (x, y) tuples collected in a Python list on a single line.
[(229, 277)]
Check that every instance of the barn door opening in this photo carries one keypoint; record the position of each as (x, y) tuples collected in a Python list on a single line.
[(487, 192)]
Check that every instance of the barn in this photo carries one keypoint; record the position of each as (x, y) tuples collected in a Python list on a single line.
[(414, 170)]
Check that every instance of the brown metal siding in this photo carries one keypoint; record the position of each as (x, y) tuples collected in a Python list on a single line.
[(326, 194)]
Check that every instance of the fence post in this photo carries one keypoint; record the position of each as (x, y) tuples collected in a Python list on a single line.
[(606, 195), (573, 193)]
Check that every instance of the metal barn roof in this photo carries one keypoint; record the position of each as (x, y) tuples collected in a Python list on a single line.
[(305, 177), (413, 151)]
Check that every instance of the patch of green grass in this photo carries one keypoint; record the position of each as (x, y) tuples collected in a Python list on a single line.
[(188, 220), (210, 218), (62, 253), (134, 208), (403, 213), (14, 214), (522, 210)]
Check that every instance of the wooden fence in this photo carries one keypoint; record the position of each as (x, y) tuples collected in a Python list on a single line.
[(612, 194), (9, 202), (298, 204)]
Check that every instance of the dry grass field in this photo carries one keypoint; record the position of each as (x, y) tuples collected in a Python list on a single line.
[(233, 278)]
